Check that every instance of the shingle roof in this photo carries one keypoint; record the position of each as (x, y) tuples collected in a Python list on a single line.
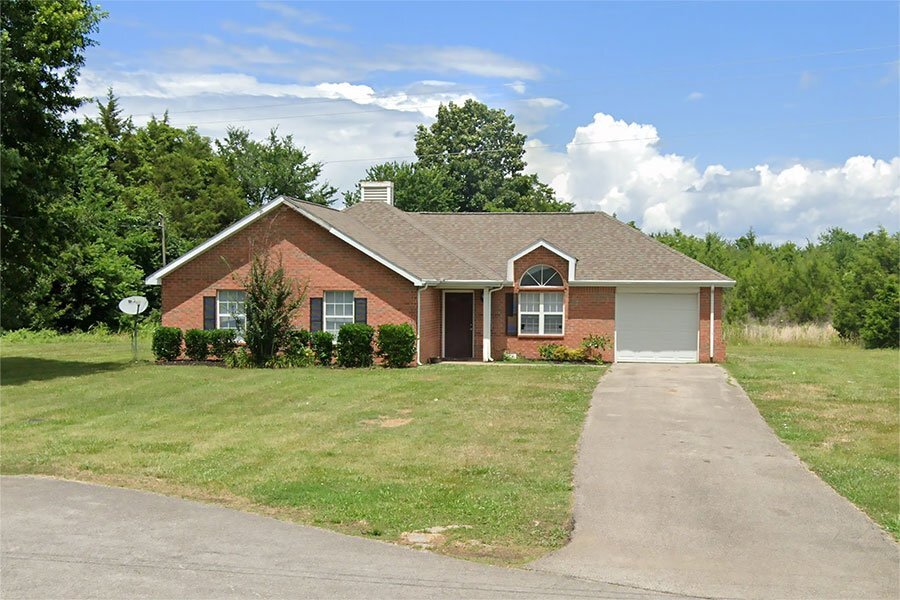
[(477, 246), (432, 247)]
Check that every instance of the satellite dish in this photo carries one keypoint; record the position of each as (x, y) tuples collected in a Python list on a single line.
[(133, 305)]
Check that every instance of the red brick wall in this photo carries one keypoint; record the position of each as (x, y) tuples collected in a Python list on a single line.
[(588, 310), (309, 253), (719, 342), (430, 343)]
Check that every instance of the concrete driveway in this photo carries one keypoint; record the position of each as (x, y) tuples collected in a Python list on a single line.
[(61, 539), (681, 485)]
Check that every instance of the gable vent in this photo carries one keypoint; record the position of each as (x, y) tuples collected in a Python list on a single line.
[(377, 191)]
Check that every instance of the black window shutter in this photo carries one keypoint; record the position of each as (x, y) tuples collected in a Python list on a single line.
[(360, 310), (512, 326), (209, 312), (315, 314)]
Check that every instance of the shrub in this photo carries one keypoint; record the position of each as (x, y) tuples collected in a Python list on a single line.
[(239, 358), (592, 343), (302, 356), (397, 344), (272, 300), (323, 347), (560, 353), (881, 320), (354, 345), (222, 342), (196, 344), (297, 339), (167, 343), (547, 351), (297, 352)]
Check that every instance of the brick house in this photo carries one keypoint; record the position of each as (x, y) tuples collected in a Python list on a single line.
[(473, 285)]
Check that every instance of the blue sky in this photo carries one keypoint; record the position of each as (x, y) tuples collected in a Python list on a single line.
[(719, 116)]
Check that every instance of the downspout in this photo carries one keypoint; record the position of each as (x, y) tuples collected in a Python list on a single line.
[(487, 325), (712, 323), (419, 322)]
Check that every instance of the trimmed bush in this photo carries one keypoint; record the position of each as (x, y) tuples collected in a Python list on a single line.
[(323, 347), (196, 344), (397, 344), (560, 353), (167, 343), (222, 342), (354, 345)]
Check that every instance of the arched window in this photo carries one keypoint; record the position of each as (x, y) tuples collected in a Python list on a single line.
[(541, 313), (541, 276)]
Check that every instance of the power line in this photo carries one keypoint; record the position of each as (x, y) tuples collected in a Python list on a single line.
[(623, 140)]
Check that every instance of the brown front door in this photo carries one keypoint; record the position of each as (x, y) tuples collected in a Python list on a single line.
[(458, 324)]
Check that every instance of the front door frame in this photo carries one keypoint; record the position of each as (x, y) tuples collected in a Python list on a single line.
[(444, 319)]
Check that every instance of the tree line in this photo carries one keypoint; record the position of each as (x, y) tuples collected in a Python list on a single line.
[(848, 280), (83, 201)]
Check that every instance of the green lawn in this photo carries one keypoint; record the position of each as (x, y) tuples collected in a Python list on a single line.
[(837, 407), (369, 452)]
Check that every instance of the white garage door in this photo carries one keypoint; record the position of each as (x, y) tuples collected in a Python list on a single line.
[(656, 327)]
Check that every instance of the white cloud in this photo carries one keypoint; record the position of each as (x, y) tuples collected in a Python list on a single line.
[(664, 191), (277, 31), (694, 96), (453, 59), (517, 86), (300, 15)]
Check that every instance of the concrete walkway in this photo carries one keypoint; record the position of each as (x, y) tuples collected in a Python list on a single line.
[(61, 539), (681, 485)]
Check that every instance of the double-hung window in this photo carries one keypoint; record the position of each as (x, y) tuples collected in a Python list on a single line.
[(540, 312), (338, 310), (230, 311)]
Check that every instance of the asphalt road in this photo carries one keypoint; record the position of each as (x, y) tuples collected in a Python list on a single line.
[(681, 485), (61, 539)]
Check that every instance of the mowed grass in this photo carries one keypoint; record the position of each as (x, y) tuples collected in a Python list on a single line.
[(837, 408), (369, 452)]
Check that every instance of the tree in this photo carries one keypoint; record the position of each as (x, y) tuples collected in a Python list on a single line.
[(417, 188), (41, 52), (272, 301), (482, 156), (274, 167), (867, 297)]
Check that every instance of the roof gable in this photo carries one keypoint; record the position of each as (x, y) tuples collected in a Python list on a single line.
[(480, 248)]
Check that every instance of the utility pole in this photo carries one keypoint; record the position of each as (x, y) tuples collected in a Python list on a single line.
[(162, 226)]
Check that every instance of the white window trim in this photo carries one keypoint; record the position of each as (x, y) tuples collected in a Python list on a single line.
[(325, 309), (220, 314), (541, 314), (539, 286)]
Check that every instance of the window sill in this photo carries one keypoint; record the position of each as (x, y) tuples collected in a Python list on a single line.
[(540, 336)]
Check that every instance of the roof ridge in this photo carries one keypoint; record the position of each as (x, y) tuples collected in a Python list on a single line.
[(419, 270), (666, 246), (439, 239), (571, 212), (310, 202)]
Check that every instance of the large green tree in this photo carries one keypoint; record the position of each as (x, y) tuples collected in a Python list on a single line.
[(270, 168), (482, 156), (417, 188), (42, 47)]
